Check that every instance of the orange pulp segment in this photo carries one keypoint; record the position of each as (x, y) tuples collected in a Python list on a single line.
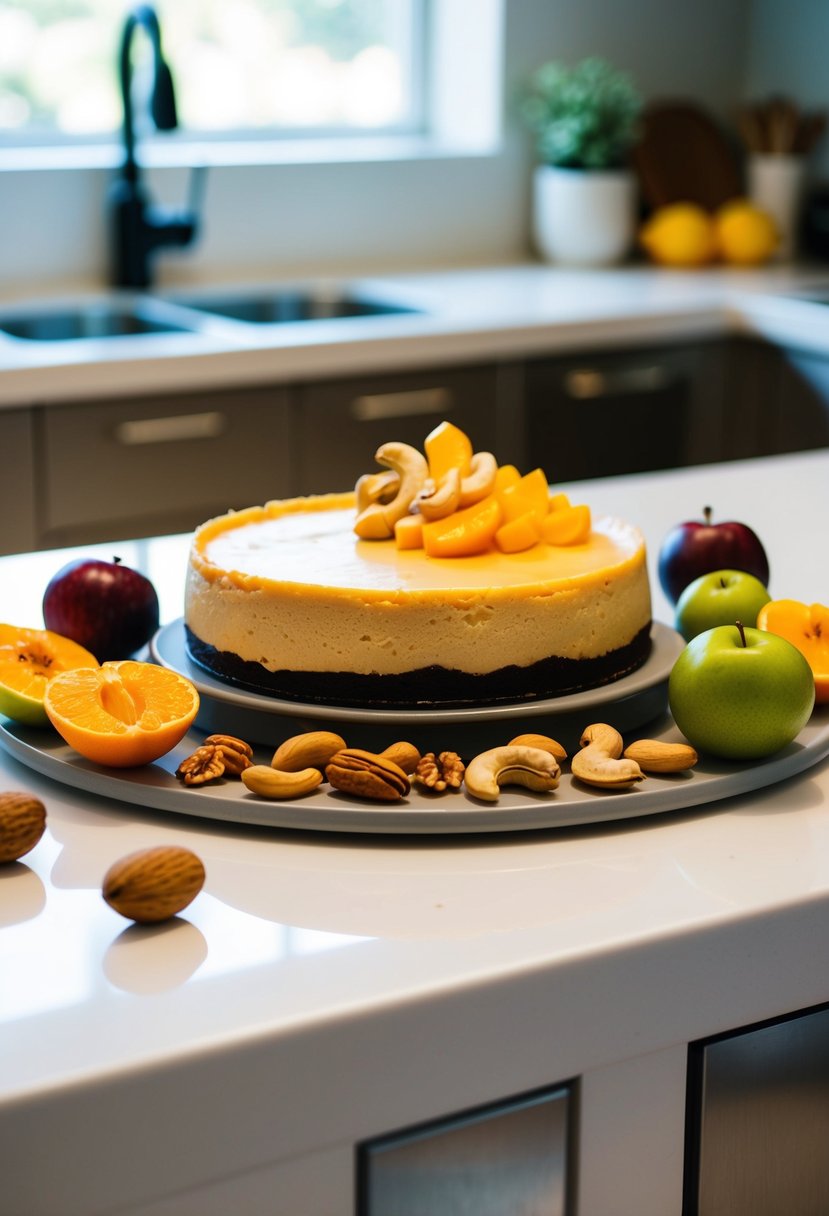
[(29, 658), (122, 713), (519, 534), (806, 626), (447, 447), (531, 493)]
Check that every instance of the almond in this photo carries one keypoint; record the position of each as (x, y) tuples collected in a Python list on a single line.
[(313, 749), (153, 884), (22, 823)]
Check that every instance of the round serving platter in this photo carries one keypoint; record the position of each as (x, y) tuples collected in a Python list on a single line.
[(155, 787), (626, 704)]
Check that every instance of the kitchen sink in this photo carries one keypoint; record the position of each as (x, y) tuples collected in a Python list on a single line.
[(90, 321), (281, 307)]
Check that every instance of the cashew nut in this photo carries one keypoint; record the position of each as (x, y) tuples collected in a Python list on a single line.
[(481, 479), (438, 501), (527, 766), (377, 520), (376, 487), (269, 782), (599, 763)]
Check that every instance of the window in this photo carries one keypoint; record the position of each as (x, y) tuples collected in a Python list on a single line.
[(246, 67)]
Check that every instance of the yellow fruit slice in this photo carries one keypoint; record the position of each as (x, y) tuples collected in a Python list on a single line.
[(122, 713), (408, 532), (464, 533), (505, 475), (531, 493), (519, 534), (447, 447), (567, 526), (29, 658), (557, 501)]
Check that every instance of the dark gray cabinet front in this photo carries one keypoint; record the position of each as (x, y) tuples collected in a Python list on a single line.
[(509, 1159), (341, 423), (603, 414), (136, 467), (758, 1134)]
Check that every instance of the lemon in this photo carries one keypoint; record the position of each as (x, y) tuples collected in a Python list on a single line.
[(746, 235), (679, 234)]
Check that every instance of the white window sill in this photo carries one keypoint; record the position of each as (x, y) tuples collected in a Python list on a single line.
[(179, 153)]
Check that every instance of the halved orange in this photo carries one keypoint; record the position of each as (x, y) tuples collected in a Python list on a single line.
[(123, 713), (29, 658)]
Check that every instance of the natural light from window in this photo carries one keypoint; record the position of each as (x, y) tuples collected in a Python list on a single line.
[(266, 67)]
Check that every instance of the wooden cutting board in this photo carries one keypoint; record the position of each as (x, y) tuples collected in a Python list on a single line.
[(685, 156)]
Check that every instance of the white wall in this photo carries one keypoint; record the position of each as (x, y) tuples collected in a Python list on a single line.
[(355, 217)]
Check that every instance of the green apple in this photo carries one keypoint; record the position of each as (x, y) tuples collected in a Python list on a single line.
[(719, 598), (738, 693)]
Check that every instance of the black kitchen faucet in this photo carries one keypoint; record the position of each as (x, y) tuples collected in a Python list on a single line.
[(138, 227)]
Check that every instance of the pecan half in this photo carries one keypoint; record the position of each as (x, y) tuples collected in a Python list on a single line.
[(237, 754), (441, 772), (205, 764), (367, 775)]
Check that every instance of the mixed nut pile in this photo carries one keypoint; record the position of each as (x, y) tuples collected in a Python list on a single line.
[(301, 764)]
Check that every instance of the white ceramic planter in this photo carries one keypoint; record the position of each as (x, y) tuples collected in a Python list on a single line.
[(583, 217)]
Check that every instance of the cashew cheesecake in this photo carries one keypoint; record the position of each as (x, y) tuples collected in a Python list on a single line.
[(515, 596)]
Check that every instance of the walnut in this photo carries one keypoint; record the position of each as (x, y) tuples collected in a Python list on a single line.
[(441, 772), (205, 764), (237, 754)]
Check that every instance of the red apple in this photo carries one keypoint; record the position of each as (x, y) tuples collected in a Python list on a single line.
[(109, 608), (699, 547)]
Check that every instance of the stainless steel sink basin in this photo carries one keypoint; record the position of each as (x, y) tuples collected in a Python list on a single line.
[(270, 308), (90, 321)]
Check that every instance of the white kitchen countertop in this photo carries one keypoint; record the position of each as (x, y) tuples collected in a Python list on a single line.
[(467, 315), (322, 989)]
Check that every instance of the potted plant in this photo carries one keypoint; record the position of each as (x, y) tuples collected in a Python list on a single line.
[(585, 121)]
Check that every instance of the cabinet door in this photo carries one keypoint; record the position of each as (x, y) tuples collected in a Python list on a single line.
[(17, 484), (759, 1121), (116, 469), (803, 413), (341, 423), (606, 413)]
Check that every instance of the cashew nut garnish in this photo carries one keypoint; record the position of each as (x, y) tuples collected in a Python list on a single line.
[(438, 501), (377, 520), (598, 763), (376, 487), (269, 782), (658, 756), (480, 480), (527, 766)]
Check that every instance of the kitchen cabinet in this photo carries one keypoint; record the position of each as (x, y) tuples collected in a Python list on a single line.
[(18, 524), (131, 467), (802, 419), (759, 1120), (341, 423), (603, 413)]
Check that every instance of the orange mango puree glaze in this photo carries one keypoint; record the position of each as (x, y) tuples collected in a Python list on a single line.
[(307, 546)]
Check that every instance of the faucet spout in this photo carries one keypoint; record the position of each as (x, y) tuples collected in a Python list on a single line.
[(138, 227)]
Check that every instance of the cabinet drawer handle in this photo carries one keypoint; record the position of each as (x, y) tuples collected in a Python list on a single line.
[(168, 430), (377, 406), (584, 383)]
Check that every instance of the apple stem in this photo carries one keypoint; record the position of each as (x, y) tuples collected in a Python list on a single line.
[(706, 514), (742, 632), (116, 560)]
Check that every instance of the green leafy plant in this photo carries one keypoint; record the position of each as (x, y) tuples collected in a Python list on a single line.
[(584, 117)]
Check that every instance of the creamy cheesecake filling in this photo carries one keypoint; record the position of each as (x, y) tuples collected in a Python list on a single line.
[(285, 588)]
